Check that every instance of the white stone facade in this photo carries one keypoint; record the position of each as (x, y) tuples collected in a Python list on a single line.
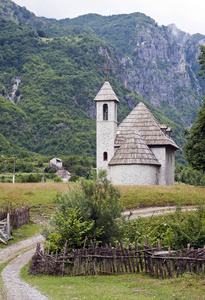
[(106, 132), (134, 174), (166, 157)]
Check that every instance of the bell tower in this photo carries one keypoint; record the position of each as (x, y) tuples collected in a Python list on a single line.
[(106, 119)]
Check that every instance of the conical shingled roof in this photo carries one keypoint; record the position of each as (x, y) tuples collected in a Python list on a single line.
[(142, 120), (106, 93), (134, 151)]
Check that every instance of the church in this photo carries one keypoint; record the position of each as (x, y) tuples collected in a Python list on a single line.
[(139, 151)]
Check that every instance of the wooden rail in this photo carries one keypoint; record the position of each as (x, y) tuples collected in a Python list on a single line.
[(18, 217)]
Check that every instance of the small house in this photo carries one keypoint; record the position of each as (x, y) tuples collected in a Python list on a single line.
[(56, 164)]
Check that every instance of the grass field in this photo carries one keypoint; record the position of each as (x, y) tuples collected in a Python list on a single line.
[(146, 196), (41, 196), (121, 287)]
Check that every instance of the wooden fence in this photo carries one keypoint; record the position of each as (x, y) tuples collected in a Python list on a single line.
[(18, 217), (96, 260)]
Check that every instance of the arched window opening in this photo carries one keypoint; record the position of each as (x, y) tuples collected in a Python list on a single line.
[(105, 112), (105, 156), (115, 112)]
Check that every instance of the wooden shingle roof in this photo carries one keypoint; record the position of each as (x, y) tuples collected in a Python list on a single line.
[(134, 151), (149, 128), (63, 174), (106, 93)]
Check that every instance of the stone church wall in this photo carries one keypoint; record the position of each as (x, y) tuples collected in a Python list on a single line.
[(133, 174), (166, 158)]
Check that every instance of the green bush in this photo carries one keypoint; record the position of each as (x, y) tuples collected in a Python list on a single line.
[(58, 179), (29, 178), (175, 230), (93, 202), (68, 226)]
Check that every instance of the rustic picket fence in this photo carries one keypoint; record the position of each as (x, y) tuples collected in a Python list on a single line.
[(18, 217), (96, 260)]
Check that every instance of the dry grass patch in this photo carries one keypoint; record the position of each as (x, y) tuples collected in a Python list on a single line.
[(147, 196), (40, 196)]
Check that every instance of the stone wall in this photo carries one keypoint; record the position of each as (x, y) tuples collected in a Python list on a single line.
[(134, 174)]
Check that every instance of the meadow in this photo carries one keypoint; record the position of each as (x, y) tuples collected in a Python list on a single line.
[(41, 196)]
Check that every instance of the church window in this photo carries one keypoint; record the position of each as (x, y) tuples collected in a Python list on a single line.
[(105, 156), (105, 112)]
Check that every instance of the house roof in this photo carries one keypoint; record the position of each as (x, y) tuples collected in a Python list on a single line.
[(151, 131), (134, 151), (106, 93), (63, 174), (56, 159)]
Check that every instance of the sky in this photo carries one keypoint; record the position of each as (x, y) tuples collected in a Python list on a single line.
[(187, 15)]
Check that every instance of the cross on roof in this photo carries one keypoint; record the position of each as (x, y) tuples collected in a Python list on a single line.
[(107, 69)]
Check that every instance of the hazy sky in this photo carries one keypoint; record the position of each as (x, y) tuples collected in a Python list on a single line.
[(188, 15)]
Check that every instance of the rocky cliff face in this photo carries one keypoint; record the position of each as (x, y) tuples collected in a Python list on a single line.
[(162, 68)]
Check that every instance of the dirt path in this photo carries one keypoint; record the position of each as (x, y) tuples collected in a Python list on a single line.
[(15, 287), (155, 211), (13, 249)]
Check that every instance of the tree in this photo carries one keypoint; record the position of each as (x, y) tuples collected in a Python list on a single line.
[(194, 148), (94, 203)]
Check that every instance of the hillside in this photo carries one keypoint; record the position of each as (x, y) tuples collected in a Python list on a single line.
[(157, 62), (49, 75), (153, 61)]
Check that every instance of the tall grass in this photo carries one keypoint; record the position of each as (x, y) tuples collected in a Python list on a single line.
[(40, 196), (147, 196)]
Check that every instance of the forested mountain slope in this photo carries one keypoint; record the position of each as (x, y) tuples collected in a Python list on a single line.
[(157, 62), (50, 83)]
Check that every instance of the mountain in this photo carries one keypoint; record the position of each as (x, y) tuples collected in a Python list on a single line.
[(154, 61), (49, 76), (157, 62)]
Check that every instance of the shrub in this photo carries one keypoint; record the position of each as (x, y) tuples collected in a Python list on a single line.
[(94, 202), (58, 179), (67, 226), (176, 230), (30, 178)]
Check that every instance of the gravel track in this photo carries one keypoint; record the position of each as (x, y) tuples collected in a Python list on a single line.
[(15, 287), (155, 211), (12, 250)]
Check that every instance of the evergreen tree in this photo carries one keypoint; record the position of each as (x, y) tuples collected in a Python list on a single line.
[(195, 146)]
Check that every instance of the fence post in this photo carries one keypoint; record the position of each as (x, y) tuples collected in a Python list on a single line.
[(202, 267), (188, 262), (64, 252), (8, 228), (171, 264)]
